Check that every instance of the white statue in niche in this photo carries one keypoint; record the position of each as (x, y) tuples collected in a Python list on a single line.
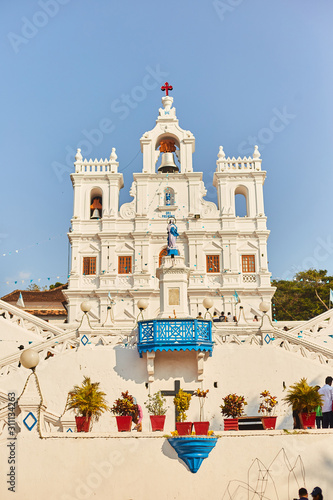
[(169, 197)]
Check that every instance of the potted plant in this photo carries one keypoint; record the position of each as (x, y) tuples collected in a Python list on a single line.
[(232, 408), (304, 399), (156, 408), (201, 428), (182, 403), (88, 401), (266, 408), (125, 410)]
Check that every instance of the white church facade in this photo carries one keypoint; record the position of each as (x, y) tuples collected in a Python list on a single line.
[(122, 261), (117, 252)]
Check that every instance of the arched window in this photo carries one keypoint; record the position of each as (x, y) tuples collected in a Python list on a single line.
[(169, 197), (241, 202), (96, 204), (163, 253)]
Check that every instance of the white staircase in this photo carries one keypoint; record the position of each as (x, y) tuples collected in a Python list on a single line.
[(54, 340), (25, 320), (306, 340)]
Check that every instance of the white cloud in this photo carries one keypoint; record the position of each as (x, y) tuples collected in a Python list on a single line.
[(24, 275)]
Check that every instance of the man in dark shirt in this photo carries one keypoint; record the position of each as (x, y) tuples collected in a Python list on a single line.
[(303, 494)]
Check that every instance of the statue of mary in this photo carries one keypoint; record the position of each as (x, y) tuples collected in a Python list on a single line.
[(172, 237)]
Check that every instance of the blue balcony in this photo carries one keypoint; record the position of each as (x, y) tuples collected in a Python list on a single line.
[(175, 335)]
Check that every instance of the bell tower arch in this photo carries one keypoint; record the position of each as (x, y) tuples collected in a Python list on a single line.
[(158, 141), (234, 176)]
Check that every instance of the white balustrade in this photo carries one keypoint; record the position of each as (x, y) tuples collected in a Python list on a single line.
[(249, 278), (28, 321)]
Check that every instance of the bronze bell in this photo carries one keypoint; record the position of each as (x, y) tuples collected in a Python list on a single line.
[(168, 164), (95, 214)]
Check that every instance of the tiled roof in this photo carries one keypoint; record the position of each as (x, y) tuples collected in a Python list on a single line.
[(40, 302), (54, 295), (47, 312)]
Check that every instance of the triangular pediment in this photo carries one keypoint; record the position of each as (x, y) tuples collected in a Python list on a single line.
[(212, 246), (247, 246), (124, 247), (89, 247)]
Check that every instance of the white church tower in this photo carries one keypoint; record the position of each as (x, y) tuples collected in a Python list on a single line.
[(117, 252)]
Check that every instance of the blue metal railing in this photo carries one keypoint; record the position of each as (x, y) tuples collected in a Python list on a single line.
[(175, 335)]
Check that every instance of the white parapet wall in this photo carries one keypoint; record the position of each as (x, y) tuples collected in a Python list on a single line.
[(147, 468)]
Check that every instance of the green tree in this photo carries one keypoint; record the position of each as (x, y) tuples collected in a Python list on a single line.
[(33, 287), (56, 284), (302, 298)]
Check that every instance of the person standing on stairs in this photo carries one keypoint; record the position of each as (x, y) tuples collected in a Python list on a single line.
[(327, 392)]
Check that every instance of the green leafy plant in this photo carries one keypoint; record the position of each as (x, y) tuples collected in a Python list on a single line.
[(125, 406), (268, 403), (87, 399), (303, 297), (182, 403), (303, 397), (233, 406), (202, 395), (156, 404)]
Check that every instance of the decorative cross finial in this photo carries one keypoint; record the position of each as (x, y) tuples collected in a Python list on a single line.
[(166, 87)]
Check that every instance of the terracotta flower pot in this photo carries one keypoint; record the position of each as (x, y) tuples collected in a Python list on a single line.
[(157, 422), (231, 424), (308, 420), (184, 428), (124, 424), (268, 422), (82, 424), (201, 428)]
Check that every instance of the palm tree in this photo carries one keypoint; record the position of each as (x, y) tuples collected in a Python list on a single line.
[(303, 397), (87, 400)]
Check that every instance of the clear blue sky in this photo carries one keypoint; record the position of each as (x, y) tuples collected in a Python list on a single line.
[(233, 64)]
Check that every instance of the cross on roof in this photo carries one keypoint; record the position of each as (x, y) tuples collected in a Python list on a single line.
[(166, 87), (174, 393)]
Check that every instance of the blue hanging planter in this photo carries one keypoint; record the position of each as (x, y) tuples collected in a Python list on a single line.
[(193, 450)]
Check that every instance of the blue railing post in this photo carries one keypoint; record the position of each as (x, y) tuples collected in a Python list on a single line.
[(155, 327), (210, 331)]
